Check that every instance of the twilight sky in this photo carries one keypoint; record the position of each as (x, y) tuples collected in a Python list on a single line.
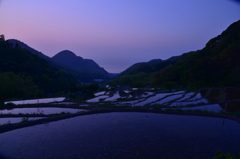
[(116, 33)]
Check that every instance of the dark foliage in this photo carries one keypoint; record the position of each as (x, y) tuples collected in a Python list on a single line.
[(216, 65), (152, 66), (84, 70), (21, 61), (17, 86)]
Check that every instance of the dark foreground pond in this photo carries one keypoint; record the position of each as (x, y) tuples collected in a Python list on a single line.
[(123, 136)]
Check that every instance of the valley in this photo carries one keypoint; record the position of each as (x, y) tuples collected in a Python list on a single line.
[(184, 107)]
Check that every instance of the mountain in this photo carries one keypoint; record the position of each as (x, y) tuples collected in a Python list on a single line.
[(15, 42), (152, 66), (82, 75), (17, 60), (155, 61), (71, 60), (22, 45), (139, 74), (216, 65)]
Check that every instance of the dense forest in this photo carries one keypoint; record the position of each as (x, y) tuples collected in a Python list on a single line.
[(83, 70), (23, 74), (216, 65)]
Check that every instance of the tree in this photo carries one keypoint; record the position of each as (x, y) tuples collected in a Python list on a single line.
[(2, 38), (168, 85), (16, 86)]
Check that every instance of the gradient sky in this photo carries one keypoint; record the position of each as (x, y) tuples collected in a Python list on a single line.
[(116, 33)]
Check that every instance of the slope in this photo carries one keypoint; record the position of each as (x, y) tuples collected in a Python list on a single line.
[(152, 66), (70, 59), (21, 61), (217, 64), (82, 76)]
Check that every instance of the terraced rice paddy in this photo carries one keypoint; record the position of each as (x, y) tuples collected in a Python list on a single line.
[(37, 101), (123, 135), (33, 111), (179, 98), (6, 121), (211, 108), (40, 110)]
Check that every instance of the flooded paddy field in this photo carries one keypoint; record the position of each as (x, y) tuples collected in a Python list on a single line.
[(215, 108), (5, 121), (40, 110), (124, 135), (112, 131), (37, 101), (18, 114)]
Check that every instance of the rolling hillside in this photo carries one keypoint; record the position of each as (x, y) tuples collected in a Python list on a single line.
[(86, 71), (21, 61), (216, 65)]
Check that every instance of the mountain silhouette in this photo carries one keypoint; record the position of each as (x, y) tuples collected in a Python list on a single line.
[(84, 74), (70, 59)]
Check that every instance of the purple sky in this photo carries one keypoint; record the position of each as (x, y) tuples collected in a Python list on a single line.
[(116, 33)]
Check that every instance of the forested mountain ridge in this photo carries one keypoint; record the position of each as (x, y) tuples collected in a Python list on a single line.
[(82, 75), (22, 45), (139, 74), (216, 65), (152, 66), (15, 42), (70, 59), (18, 61)]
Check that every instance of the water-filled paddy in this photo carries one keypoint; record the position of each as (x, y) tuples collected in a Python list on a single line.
[(37, 101), (40, 110), (124, 135), (15, 120), (181, 103), (167, 99), (154, 98), (96, 99), (212, 108)]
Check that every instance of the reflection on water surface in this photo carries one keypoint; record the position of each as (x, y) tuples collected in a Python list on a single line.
[(212, 108), (124, 135), (16, 120), (40, 110)]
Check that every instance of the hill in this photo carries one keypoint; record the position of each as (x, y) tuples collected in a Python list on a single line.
[(152, 66), (20, 61), (83, 75), (139, 74), (68, 58), (216, 65)]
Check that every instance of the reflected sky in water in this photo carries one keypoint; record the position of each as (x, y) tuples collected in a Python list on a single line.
[(40, 110), (124, 135)]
